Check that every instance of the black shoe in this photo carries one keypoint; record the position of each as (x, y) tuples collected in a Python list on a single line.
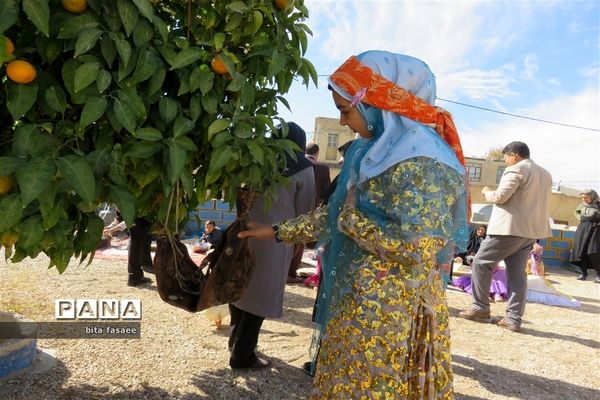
[(260, 363), (308, 368), (138, 282), (582, 277)]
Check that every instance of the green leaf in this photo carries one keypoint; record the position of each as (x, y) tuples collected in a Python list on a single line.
[(92, 235), (220, 157), (51, 215), (125, 115), (26, 140), (144, 149), (129, 95), (186, 143), (151, 134), (108, 49), (93, 110), (233, 22), (86, 41), (125, 201), (142, 33), (238, 6), (256, 151), (144, 69), (186, 57), (34, 177), (167, 108), (104, 80), (156, 81), (38, 12), (32, 232), (182, 126), (175, 161), (218, 40), (8, 165), (79, 175), (161, 28), (145, 7), (77, 25), (206, 81), (85, 74), (11, 210), (56, 98), (20, 98), (129, 15), (218, 126), (8, 14), (123, 47)]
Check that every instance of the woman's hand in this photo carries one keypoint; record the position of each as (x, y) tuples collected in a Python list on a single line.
[(257, 231)]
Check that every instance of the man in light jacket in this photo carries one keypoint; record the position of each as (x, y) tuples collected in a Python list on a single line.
[(519, 217)]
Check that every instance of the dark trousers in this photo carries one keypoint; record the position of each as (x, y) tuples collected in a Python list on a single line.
[(296, 260), (243, 339), (590, 261), (139, 254)]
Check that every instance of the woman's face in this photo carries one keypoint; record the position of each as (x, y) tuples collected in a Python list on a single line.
[(350, 116), (586, 198)]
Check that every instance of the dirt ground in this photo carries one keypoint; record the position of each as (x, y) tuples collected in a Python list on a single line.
[(182, 356)]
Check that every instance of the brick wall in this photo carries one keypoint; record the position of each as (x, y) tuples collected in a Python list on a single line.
[(216, 210), (557, 248)]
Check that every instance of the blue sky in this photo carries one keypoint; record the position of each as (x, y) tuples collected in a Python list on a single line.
[(539, 59)]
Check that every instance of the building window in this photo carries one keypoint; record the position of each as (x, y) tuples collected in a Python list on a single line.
[(332, 141), (474, 171), (499, 173)]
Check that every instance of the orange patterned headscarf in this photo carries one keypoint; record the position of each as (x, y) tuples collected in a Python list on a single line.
[(354, 77)]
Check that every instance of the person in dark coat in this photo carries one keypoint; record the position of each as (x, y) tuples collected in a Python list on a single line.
[(263, 297), (586, 246)]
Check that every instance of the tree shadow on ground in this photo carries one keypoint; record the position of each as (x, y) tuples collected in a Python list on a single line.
[(506, 382), (255, 385)]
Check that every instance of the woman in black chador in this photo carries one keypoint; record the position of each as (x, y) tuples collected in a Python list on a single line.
[(586, 247)]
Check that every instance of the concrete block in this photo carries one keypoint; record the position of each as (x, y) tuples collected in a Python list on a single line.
[(560, 244), (568, 235), (223, 206), (214, 215), (208, 205)]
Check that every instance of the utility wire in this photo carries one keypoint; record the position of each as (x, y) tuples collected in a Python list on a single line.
[(519, 116), (511, 114)]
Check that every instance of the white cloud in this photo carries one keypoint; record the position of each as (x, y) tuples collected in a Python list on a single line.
[(531, 66), (571, 155)]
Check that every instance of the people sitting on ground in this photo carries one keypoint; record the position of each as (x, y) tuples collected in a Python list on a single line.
[(498, 287), (211, 237), (475, 239)]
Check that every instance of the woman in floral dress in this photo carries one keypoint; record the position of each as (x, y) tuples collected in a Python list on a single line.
[(398, 211)]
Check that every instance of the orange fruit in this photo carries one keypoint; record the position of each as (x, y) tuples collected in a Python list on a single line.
[(6, 184), (20, 71), (10, 47), (75, 6), (218, 65), (281, 4)]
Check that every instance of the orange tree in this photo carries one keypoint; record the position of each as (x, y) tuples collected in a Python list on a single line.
[(140, 103)]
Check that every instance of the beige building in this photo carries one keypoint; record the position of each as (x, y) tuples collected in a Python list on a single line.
[(330, 135)]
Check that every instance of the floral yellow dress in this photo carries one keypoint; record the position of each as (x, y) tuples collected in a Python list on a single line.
[(387, 336)]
